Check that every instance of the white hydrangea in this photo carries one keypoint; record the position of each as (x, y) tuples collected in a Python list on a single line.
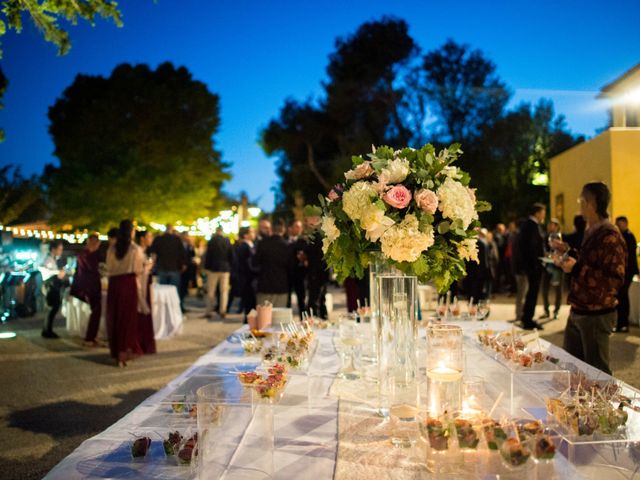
[(331, 232), (375, 222), (357, 199), (395, 171), (456, 203), (404, 242), (468, 250)]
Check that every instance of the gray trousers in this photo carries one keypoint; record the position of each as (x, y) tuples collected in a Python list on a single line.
[(587, 338), (522, 285)]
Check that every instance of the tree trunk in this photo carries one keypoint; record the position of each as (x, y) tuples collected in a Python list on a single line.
[(314, 168)]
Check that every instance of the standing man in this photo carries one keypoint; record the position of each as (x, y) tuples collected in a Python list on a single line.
[(86, 286), (632, 270), (274, 263), (597, 274), (55, 279), (530, 249), (297, 245), (317, 276), (171, 258), (188, 275), (552, 276), (264, 230), (217, 264), (244, 251)]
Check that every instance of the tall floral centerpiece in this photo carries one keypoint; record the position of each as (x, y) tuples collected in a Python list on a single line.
[(415, 207)]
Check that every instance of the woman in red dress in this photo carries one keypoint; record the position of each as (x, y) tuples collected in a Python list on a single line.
[(125, 266), (145, 320)]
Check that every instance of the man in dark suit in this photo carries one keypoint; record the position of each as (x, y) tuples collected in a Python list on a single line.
[(274, 262), (632, 270), (529, 251), (244, 251), (317, 276), (218, 261), (297, 244)]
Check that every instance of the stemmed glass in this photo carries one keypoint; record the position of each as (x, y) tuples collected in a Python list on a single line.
[(351, 342), (484, 308)]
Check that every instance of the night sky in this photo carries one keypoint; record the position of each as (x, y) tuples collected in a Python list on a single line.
[(255, 54)]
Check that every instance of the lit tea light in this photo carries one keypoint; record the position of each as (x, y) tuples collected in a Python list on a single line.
[(470, 408)]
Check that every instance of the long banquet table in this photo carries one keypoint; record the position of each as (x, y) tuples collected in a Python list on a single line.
[(322, 426)]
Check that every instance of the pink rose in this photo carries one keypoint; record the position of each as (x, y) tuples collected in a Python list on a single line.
[(333, 196), (427, 200), (397, 196), (363, 170)]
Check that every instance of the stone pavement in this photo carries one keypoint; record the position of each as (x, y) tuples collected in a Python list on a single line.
[(55, 393)]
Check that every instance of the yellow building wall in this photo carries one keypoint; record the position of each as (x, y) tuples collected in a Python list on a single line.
[(625, 181), (569, 171)]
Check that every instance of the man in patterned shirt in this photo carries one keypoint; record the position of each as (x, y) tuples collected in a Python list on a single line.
[(597, 274)]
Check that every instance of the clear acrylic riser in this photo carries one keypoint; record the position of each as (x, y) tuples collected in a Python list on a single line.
[(517, 383)]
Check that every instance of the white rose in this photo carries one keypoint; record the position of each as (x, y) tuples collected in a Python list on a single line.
[(375, 222), (357, 199), (456, 203), (468, 250), (404, 242), (395, 171), (331, 232)]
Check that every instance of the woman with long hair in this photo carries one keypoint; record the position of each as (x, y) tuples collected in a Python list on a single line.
[(125, 266), (145, 320)]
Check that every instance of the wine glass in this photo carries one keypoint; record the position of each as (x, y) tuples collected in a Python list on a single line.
[(350, 338), (484, 308)]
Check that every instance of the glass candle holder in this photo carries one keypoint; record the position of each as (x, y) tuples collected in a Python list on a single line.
[(445, 365)]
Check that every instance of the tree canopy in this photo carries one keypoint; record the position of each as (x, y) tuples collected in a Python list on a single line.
[(21, 198), (314, 140), (138, 144), (46, 16), (381, 90)]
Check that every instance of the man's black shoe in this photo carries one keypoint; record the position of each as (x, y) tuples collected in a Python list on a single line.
[(533, 326), (49, 334)]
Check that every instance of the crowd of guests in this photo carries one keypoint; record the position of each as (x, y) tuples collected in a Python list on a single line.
[(267, 267), (270, 265)]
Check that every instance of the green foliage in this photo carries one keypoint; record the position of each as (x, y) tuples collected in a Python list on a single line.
[(46, 16), (138, 144), (21, 199)]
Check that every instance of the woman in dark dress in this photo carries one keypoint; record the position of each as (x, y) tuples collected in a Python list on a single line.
[(125, 266), (145, 320)]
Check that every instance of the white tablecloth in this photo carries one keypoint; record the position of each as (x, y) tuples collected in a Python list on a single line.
[(307, 438), (165, 312)]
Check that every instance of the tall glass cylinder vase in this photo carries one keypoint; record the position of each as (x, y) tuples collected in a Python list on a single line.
[(378, 266), (445, 363), (397, 335)]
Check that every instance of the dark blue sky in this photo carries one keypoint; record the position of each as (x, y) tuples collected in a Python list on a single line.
[(254, 54)]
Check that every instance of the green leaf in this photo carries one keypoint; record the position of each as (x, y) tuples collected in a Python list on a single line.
[(357, 160), (443, 227), (312, 211), (482, 206)]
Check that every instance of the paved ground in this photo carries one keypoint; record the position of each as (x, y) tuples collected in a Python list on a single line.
[(55, 394)]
